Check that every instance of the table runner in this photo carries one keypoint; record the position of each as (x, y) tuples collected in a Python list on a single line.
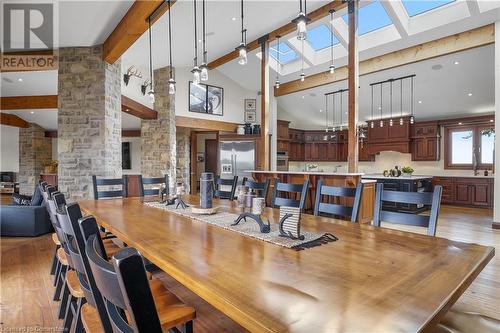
[(250, 228)]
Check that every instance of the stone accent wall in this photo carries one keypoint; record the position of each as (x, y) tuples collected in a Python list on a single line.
[(89, 120), (184, 157), (35, 151), (159, 135)]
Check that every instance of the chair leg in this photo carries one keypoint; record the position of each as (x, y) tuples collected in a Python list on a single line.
[(64, 300), (61, 279), (68, 316), (54, 262), (78, 325), (187, 327), (58, 271)]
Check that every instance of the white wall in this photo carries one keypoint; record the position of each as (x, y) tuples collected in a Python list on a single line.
[(135, 155), (9, 153), (234, 96)]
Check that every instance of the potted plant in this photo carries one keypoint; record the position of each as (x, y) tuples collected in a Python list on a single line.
[(407, 171)]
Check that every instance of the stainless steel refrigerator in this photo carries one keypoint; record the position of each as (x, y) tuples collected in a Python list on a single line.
[(236, 157)]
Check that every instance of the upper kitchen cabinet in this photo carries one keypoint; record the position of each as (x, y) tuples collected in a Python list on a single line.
[(296, 145), (282, 138), (425, 141), (389, 138)]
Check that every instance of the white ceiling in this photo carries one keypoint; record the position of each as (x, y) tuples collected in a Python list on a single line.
[(443, 92), (46, 118), (29, 83)]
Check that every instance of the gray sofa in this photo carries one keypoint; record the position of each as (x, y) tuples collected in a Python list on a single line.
[(25, 220)]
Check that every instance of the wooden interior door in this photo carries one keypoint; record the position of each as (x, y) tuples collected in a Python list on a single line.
[(211, 155)]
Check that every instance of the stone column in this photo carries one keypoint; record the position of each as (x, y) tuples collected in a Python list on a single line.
[(89, 120), (184, 157), (496, 195), (35, 151), (159, 135)]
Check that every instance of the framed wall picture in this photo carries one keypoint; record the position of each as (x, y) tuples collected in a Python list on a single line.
[(250, 104), (250, 116), (200, 157), (204, 98)]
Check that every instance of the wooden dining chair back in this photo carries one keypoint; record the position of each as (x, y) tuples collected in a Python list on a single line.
[(291, 191), (124, 286), (153, 181), (333, 193), (224, 194), (113, 183), (262, 189), (432, 199)]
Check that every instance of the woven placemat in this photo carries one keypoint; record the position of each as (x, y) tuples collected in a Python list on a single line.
[(250, 228)]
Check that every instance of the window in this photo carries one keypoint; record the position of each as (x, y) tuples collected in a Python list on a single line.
[(417, 7), (286, 53), (371, 17), (320, 37), (466, 145)]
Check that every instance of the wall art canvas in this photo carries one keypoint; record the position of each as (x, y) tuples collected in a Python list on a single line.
[(206, 99)]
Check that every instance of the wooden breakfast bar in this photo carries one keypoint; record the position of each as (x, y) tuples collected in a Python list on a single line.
[(343, 179), (370, 279)]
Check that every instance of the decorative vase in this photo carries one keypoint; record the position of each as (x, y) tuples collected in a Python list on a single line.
[(206, 190), (240, 130), (248, 128), (256, 129)]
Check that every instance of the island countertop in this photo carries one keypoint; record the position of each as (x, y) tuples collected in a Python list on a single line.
[(416, 177), (315, 173)]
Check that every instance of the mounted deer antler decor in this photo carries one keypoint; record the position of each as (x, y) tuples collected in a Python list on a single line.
[(131, 71), (144, 86)]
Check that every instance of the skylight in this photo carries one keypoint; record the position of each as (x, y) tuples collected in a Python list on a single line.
[(286, 53), (371, 17), (320, 37), (416, 7)]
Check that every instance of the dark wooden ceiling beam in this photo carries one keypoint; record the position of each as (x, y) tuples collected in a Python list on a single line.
[(28, 102), (12, 120), (288, 28), (132, 26), (137, 109)]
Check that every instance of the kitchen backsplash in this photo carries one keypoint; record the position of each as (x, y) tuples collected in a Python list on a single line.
[(387, 160)]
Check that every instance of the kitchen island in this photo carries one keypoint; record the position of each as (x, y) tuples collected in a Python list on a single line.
[(344, 179)]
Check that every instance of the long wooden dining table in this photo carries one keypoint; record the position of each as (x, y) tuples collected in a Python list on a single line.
[(370, 280)]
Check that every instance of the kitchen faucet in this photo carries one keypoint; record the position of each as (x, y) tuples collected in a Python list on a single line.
[(337, 167)]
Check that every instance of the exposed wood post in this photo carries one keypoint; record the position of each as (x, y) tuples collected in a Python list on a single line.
[(264, 103), (194, 164), (353, 80)]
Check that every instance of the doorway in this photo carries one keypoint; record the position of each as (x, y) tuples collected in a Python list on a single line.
[(204, 156)]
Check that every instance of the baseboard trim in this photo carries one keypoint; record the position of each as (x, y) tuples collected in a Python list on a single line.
[(495, 225)]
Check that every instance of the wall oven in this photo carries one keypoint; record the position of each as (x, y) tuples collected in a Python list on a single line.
[(282, 161)]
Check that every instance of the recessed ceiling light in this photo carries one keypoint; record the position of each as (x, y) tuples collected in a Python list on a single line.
[(32, 112), (234, 18), (491, 120), (320, 110), (127, 110), (199, 40), (380, 108), (419, 102), (469, 94), (303, 97), (20, 80), (460, 123), (456, 62)]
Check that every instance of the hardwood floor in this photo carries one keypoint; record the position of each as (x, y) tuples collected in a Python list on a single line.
[(26, 287)]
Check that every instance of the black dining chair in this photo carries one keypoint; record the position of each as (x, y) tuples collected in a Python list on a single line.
[(153, 181), (432, 199), (223, 194), (336, 193), (262, 189), (291, 191), (110, 182), (126, 287)]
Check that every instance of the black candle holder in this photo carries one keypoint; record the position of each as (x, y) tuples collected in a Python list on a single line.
[(264, 228), (181, 203), (288, 233)]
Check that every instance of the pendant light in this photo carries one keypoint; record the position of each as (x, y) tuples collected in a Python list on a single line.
[(301, 21), (171, 80), (412, 118), (381, 120), (326, 113), (196, 70), (302, 75), (372, 124), (341, 109), (151, 92), (277, 84), (401, 102), (391, 122), (204, 66), (242, 48), (332, 67), (333, 113)]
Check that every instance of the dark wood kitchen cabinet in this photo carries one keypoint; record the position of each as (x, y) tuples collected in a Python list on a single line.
[(389, 138), (282, 137), (425, 141), (466, 191)]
